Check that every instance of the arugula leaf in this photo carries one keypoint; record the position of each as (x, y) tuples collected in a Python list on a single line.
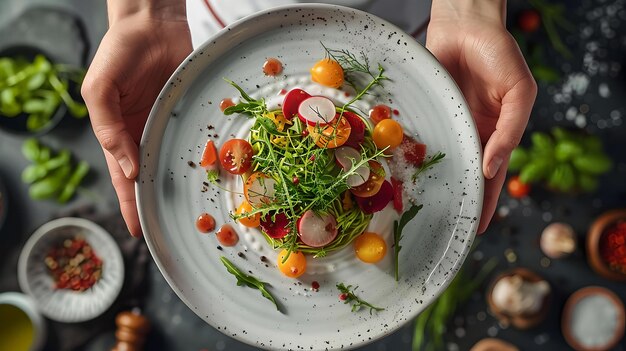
[(433, 160), (357, 303), (398, 226), (248, 280), (213, 176)]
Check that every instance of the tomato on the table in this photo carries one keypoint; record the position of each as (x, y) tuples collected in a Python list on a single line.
[(387, 133), (517, 188), (327, 72), (370, 247), (373, 183), (294, 266), (209, 155), (236, 156), (332, 136)]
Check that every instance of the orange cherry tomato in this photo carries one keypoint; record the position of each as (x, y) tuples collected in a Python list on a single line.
[(236, 156), (327, 72), (209, 155), (370, 247), (250, 221), (294, 266), (373, 183), (517, 188), (332, 136), (387, 133)]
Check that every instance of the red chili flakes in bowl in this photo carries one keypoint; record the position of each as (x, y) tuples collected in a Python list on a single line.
[(613, 247), (74, 265)]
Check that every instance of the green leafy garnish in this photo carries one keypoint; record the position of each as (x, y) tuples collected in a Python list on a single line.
[(355, 301), (398, 226), (213, 176), (248, 106), (428, 164), (248, 280), (352, 65), (36, 89)]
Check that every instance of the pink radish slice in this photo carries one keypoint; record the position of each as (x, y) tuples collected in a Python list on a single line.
[(292, 101), (376, 202), (317, 110), (346, 156), (316, 230), (275, 229), (259, 189), (357, 130)]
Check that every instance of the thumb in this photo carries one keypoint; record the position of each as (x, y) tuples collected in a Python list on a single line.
[(517, 104), (103, 103)]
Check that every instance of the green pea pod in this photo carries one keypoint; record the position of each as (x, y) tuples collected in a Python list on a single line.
[(62, 159), (36, 81), (31, 149), (542, 142), (593, 163), (33, 173), (534, 171), (49, 186), (587, 183), (76, 178), (44, 154), (519, 157), (566, 150)]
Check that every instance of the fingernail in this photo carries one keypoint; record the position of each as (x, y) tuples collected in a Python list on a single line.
[(494, 166), (126, 166)]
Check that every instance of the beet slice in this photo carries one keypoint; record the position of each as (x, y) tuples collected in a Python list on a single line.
[(275, 229), (378, 201), (357, 134)]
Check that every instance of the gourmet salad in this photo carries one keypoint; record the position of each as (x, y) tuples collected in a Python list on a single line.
[(314, 171)]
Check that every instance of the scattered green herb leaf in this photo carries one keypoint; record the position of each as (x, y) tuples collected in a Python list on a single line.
[(398, 226), (428, 164), (248, 280), (351, 298)]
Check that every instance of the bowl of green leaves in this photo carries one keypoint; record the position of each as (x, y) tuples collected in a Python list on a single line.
[(36, 93)]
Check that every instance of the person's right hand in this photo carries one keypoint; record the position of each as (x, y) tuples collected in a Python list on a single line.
[(143, 46)]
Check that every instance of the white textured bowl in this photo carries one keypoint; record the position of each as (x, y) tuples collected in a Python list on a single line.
[(66, 305), (29, 307), (170, 196)]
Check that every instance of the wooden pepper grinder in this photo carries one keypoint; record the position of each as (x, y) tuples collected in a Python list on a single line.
[(132, 328)]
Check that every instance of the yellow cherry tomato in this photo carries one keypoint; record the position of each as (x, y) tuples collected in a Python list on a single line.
[(327, 72), (370, 247), (332, 136), (250, 221), (295, 265), (387, 133)]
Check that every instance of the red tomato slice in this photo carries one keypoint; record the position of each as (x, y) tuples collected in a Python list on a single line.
[(236, 156), (397, 194), (275, 229), (292, 101), (357, 132), (373, 183), (414, 152), (209, 155), (378, 201)]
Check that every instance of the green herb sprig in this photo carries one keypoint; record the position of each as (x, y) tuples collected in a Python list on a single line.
[(353, 65), (355, 301), (248, 280), (398, 227), (428, 164)]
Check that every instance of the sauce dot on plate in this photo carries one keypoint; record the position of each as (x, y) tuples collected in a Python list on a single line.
[(272, 67), (226, 103), (227, 236), (205, 223)]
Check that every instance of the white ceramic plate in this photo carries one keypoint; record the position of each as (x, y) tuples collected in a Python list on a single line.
[(65, 305), (170, 194)]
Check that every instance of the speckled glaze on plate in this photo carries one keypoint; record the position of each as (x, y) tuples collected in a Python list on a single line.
[(170, 193)]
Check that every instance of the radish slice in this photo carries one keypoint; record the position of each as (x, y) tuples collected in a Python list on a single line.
[(317, 110), (316, 230), (346, 156), (277, 228), (259, 189), (376, 202), (292, 101)]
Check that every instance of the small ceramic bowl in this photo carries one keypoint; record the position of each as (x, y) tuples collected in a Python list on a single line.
[(27, 305), (66, 305), (594, 236), (569, 314)]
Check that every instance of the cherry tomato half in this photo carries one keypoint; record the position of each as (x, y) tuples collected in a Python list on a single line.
[(373, 183), (209, 155), (517, 188), (236, 156), (294, 266), (327, 72), (333, 135), (250, 221), (387, 133), (370, 247)]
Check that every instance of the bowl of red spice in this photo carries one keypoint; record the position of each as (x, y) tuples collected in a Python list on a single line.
[(606, 245), (72, 268)]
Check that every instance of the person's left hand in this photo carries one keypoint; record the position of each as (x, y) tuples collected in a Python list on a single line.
[(471, 41)]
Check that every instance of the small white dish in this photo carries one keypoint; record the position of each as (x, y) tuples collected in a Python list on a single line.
[(27, 305), (66, 305)]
